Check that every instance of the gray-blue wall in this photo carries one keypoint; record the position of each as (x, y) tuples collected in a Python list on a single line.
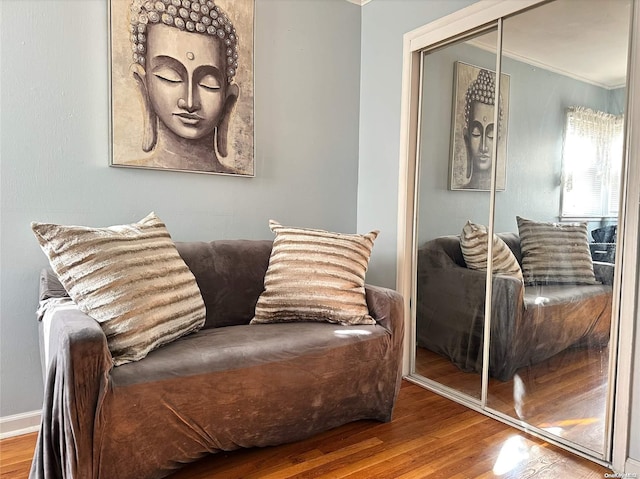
[(537, 104), (54, 148), (384, 22)]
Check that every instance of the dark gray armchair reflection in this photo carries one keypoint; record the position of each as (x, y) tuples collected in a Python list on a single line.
[(603, 247), (528, 325)]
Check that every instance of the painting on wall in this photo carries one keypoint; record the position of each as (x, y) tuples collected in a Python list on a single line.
[(473, 129), (181, 88)]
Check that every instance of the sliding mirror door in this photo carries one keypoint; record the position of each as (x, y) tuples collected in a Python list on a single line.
[(551, 347), (538, 167), (453, 188)]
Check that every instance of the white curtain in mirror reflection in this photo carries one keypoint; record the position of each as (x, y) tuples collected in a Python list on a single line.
[(592, 157)]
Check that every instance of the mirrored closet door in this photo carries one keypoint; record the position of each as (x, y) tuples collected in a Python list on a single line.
[(449, 352), (538, 168)]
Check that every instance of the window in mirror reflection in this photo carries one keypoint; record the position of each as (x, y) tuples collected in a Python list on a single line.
[(591, 163)]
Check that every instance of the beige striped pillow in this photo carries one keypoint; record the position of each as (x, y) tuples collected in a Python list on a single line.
[(315, 275), (474, 246), (129, 278), (554, 253)]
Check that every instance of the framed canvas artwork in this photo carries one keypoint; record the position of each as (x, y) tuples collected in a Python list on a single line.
[(474, 131), (181, 85)]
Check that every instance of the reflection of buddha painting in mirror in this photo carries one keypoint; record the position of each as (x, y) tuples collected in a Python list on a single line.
[(182, 93), (474, 130)]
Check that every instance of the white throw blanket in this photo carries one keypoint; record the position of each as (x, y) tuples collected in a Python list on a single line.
[(46, 311)]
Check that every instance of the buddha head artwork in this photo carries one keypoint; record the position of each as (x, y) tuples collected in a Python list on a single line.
[(185, 59), (478, 131)]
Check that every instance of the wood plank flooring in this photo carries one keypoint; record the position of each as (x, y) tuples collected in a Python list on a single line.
[(566, 393), (430, 437)]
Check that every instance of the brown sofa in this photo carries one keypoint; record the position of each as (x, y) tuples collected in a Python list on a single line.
[(230, 385), (527, 326)]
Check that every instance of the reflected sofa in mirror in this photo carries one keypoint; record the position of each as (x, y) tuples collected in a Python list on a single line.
[(529, 324)]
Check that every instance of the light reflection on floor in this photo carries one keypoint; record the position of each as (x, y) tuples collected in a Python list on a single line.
[(513, 453), (558, 427)]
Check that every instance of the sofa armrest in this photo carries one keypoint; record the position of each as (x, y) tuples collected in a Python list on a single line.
[(386, 306), (76, 381), (509, 334), (451, 289), (450, 314)]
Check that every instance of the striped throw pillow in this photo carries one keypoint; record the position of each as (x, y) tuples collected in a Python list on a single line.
[(554, 253), (129, 278), (315, 275), (474, 246)]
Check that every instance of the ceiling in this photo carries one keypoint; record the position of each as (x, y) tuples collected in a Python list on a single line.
[(584, 39)]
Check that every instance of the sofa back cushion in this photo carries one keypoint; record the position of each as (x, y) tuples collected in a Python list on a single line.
[(440, 252), (230, 275)]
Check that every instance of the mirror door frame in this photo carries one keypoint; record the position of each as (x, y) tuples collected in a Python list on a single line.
[(438, 32)]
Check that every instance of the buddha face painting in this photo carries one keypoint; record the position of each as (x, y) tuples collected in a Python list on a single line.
[(479, 130), (187, 89), (185, 57), (479, 136)]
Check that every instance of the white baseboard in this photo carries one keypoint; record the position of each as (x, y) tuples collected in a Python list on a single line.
[(632, 466), (19, 424)]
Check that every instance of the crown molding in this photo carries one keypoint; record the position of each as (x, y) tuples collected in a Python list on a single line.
[(359, 2)]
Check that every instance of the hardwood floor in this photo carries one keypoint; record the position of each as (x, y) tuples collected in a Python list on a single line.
[(430, 437), (565, 394)]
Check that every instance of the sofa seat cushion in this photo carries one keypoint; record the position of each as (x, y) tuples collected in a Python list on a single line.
[(245, 346), (557, 317), (551, 295), (242, 386)]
